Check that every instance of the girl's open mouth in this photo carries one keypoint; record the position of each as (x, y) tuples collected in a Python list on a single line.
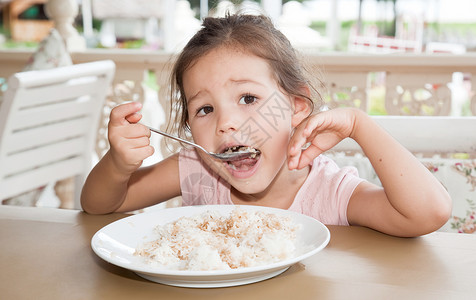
[(245, 164)]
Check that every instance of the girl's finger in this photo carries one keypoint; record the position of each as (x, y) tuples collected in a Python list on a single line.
[(134, 117), (308, 155), (143, 152), (131, 131), (298, 140), (293, 162), (138, 142), (295, 145), (313, 123), (138, 130), (121, 112), (135, 156)]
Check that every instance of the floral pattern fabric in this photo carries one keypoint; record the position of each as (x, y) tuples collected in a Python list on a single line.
[(51, 53), (458, 176)]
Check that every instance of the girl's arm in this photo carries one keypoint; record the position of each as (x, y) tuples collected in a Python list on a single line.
[(116, 183), (411, 201)]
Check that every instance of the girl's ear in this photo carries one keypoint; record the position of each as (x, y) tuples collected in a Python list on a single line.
[(302, 107)]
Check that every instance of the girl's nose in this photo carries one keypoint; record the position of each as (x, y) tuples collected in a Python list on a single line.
[(227, 122)]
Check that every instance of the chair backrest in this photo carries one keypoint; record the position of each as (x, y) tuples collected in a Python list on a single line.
[(48, 125), (434, 135), (446, 146)]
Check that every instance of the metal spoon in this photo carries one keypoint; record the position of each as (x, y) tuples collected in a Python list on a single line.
[(226, 156)]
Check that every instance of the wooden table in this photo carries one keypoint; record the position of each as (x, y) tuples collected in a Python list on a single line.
[(46, 254)]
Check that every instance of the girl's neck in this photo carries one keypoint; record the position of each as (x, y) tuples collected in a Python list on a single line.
[(279, 194)]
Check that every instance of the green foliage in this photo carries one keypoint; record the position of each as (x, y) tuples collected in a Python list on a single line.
[(134, 44), (377, 101), (319, 26), (10, 44), (30, 13), (151, 80)]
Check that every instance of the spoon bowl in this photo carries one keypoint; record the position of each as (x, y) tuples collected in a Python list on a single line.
[(225, 156)]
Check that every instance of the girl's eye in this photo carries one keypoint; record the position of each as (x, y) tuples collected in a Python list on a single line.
[(204, 111), (248, 99)]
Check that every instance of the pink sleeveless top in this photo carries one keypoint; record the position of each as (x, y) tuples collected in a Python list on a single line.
[(324, 195)]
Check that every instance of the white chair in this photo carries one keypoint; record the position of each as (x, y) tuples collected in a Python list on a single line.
[(445, 145), (48, 125), (426, 134)]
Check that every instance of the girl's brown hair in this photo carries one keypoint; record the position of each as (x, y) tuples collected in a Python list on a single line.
[(248, 33)]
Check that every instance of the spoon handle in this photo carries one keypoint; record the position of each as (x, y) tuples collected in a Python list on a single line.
[(176, 138)]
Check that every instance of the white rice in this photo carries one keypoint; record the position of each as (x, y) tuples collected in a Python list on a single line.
[(210, 241)]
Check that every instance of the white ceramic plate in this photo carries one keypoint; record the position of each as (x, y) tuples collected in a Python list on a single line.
[(116, 244)]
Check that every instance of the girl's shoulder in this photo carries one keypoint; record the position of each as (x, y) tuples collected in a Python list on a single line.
[(199, 184), (326, 192), (323, 163), (325, 172), (191, 164), (188, 155)]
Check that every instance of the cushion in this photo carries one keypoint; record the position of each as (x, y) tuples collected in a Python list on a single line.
[(458, 176), (51, 53)]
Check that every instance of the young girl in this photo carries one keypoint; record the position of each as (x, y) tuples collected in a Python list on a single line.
[(239, 83)]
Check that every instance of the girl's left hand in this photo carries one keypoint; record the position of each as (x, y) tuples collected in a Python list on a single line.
[(322, 131)]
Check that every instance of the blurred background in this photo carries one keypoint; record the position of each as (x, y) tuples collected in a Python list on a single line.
[(385, 57), (372, 26)]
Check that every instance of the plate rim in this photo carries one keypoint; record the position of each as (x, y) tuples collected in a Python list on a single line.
[(209, 273)]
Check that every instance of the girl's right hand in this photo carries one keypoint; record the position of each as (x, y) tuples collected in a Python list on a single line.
[(322, 131), (129, 141)]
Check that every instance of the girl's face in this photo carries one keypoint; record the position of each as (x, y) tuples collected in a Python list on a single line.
[(233, 100)]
